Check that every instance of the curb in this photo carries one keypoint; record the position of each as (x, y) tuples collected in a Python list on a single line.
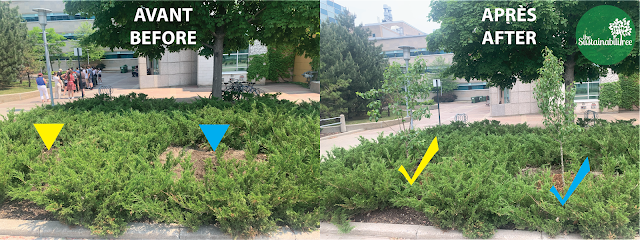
[(341, 134), (39, 228), (405, 231), (366, 125), (18, 96)]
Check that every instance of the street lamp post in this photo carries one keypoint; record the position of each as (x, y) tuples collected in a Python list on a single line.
[(406, 55), (438, 83), (42, 18)]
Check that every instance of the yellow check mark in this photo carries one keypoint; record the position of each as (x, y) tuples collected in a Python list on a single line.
[(433, 148)]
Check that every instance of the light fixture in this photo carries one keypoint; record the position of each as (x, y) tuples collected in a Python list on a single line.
[(42, 18)]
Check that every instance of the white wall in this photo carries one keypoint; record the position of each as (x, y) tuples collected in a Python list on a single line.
[(521, 99), (176, 69)]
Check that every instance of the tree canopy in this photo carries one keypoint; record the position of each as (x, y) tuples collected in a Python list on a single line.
[(90, 50), (221, 26), (12, 43), (349, 63), (54, 40), (462, 31)]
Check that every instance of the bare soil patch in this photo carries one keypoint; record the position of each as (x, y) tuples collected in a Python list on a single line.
[(24, 210), (556, 176), (200, 157), (404, 215)]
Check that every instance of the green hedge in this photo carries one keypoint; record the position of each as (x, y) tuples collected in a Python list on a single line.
[(103, 170), (475, 184)]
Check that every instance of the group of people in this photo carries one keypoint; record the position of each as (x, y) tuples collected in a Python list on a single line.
[(67, 82)]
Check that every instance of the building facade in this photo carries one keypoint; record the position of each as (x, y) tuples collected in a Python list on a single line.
[(521, 100), (172, 69), (65, 25), (329, 10)]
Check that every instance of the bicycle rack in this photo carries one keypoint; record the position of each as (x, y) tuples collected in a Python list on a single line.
[(592, 119), (106, 89), (461, 117)]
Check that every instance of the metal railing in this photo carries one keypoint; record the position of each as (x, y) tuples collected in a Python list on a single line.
[(590, 117), (462, 117), (105, 89), (342, 123)]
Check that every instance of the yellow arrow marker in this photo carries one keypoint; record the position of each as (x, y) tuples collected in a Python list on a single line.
[(49, 132), (433, 148)]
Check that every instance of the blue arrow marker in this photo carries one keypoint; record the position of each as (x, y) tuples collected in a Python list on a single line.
[(584, 169), (214, 133)]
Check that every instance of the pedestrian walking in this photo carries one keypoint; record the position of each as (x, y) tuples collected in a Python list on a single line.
[(77, 78), (71, 86), (95, 77), (42, 87), (58, 83), (100, 76), (83, 81)]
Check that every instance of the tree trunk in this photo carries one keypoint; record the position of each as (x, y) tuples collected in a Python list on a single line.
[(218, 51), (569, 76), (562, 165), (29, 77)]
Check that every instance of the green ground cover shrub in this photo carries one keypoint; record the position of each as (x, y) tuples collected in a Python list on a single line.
[(476, 182), (104, 171)]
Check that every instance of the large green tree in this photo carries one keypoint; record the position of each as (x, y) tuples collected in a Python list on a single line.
[(12, 44), (90, 50), (462, 31), (436, 69), (55, 43), (221, 26), (349, 63)]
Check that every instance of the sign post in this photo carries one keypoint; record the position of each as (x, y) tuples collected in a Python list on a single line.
[(438, 83)]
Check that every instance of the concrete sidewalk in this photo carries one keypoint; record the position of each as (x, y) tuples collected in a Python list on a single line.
[(123, 83), (448, 111), (380, 231), (36, 229)]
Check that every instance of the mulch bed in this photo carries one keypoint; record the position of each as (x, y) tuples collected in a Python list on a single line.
[(404, 215), (24, 210)]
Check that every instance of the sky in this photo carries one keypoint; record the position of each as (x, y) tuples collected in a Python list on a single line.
[(413, 12)]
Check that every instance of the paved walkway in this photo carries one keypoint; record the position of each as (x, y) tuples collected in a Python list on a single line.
[(384, 231), (448, 111), (123, 83)]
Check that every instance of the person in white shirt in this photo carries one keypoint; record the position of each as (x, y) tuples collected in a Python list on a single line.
[(56, 81)]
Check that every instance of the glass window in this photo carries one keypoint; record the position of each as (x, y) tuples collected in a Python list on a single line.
[(229, 63), (466, 87), (54, 17), (506, 95), (322, 11), (153, 67), (237, 61), (330, 3), (587, 90), (243, 62)]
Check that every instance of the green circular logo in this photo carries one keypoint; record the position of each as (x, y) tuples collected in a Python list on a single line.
[(605, 35)]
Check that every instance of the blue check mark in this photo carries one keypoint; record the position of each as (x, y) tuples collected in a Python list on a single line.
[(584, 169)]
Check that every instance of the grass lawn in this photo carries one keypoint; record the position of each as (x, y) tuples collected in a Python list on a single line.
[(16, 87), (365, 119)]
